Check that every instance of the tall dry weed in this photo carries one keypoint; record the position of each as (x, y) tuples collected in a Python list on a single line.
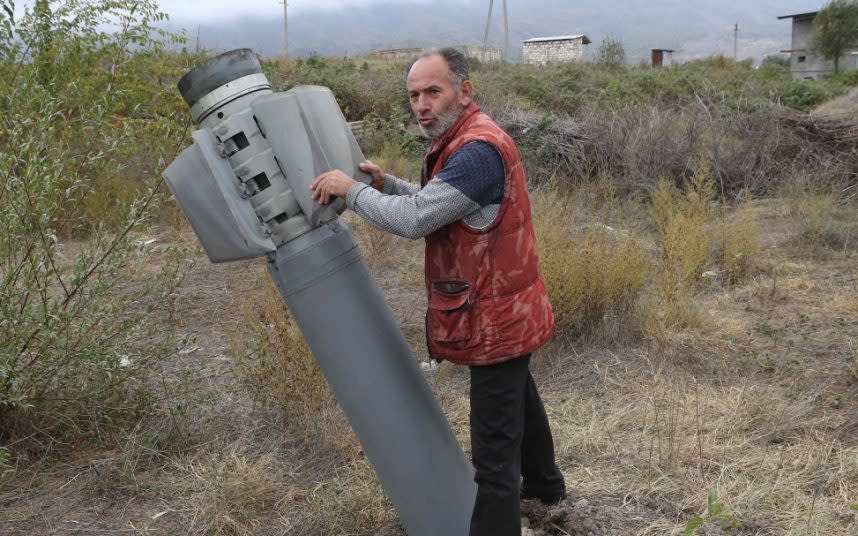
[(592, 271), (738, 243), (278, 368), (682, 219)]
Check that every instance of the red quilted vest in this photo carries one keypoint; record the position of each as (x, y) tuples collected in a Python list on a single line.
[(487, 300)]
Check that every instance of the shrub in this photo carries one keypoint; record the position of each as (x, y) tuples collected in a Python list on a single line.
[(278, 368), (77, 341), (378, 90), (611, 52), (681, 219), (776, 60), (591, 272), (804, 94)]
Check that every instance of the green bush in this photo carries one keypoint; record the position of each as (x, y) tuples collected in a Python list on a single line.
[(78, 340), (359, 91), (804, 95), (592, 272)]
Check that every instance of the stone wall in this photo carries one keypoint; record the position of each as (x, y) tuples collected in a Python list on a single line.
[(553, 51), (482, 53), (395, 54)]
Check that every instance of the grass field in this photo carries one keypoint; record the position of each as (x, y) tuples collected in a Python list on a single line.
[(697, 230)]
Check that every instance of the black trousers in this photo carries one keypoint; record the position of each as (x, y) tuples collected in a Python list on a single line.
[(510, 441)]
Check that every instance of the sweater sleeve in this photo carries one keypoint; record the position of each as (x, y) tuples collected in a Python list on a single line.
[(470, 183)]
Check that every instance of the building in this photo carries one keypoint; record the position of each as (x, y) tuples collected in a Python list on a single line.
[(557, 49), (659, 55), (804, 62), (480, 52), (396, 54)]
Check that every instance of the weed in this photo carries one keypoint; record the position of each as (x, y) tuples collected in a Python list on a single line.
[(738, 243), (721, 516), (278, 368), (682, 221), (229, 495), (592, 271)]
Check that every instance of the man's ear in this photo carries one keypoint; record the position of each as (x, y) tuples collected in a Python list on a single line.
[(466, 93)]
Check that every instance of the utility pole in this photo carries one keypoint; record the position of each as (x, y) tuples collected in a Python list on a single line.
[(505, 32), (736, 42), (488, 22), (285, 28), (197, 46)]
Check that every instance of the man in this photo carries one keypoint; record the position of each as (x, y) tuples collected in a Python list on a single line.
[(488, 306)]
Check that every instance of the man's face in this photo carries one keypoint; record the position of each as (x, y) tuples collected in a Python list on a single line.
[(434, 100)]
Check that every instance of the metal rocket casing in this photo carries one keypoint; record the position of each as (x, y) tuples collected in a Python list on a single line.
[(244, 187)]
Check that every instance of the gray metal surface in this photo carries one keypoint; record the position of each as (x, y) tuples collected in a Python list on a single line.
[(309, 135), (230, 91), (352, 333), (206, 188)]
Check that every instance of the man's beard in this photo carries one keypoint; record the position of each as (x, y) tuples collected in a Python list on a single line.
[(444, 121)]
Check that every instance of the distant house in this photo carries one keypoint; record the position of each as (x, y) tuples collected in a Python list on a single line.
[(804, 62), (557, 49), (396, 54), (482, 53), (659, 55)]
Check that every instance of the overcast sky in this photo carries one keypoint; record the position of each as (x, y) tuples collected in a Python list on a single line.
[(215, 9), (694, 28), (208, 10)]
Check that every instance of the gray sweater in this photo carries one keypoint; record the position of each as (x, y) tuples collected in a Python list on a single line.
[(469, 187)]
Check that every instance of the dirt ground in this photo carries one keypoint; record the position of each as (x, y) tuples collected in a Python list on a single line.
[(748, 424)]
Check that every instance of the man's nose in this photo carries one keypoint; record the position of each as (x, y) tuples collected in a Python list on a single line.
[(422, 104)]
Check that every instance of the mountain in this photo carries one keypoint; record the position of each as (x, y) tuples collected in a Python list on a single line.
[(694, 28)]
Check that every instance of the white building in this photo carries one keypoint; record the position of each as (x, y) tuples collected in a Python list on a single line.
[(804, 62), (557, 49)]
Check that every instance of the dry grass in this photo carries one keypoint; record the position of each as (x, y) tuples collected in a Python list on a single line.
[(592, 271), (232, 493), (278, 368), (748, 397), (738, 243), (843, 105), (664, 436)]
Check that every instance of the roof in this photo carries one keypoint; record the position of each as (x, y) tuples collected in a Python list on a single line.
[(663, 50), (799, 15), (559, 38)]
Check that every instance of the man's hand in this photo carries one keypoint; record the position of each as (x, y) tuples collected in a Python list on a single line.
[(376, 172), (331, 184)]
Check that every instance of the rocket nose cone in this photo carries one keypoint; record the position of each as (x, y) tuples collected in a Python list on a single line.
[(216, 72)]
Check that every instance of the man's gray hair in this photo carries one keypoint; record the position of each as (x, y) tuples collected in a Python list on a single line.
[(456, 62)]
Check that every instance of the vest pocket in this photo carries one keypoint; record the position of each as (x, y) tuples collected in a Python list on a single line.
[(449, 318)]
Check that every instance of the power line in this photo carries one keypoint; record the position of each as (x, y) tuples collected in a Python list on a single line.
[(505, 31), (736, 42), (488, 22), (285, 28)]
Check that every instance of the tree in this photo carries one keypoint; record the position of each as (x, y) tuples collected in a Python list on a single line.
[(611, 52), (836, 30)]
